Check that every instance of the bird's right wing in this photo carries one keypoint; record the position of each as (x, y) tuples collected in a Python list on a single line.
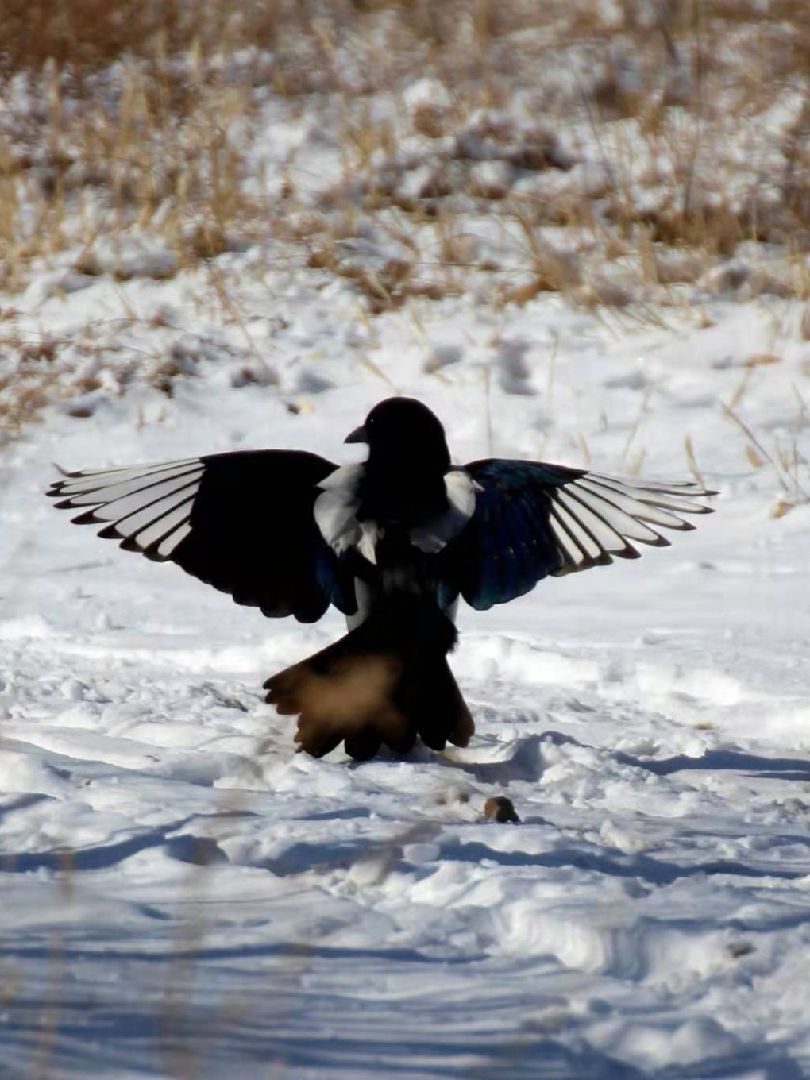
[(242, 522), (534, 519)]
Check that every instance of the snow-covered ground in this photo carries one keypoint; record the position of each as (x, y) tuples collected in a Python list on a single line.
[(184, 896)]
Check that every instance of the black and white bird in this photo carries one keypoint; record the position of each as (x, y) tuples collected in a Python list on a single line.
[(392, 543)]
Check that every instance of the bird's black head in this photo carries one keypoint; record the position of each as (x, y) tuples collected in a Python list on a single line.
[(400, 429)]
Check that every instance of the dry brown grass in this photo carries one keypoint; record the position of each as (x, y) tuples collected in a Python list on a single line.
[(677, 105), (131, 107), (82, 37), (616, 154)]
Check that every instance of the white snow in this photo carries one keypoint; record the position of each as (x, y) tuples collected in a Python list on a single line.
[(183, 895)]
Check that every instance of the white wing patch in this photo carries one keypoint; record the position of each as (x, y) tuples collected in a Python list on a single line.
[(335, 513), (148, 508), (596, 518), (434, 534)]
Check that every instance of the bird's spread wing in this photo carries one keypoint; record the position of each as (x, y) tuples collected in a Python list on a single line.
[(242, 522), (532, 519)]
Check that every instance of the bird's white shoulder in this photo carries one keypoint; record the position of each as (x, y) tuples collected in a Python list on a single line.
[(461, 494), (335, 513)]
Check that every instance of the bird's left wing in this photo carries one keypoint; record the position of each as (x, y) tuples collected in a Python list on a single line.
[(534, 519), (242, 522)]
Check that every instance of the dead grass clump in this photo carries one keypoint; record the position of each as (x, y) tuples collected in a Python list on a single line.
[(85, 37), (28, 382), (465, 137), (639, 129), (83, 34), (130, 155), (384, 286), (784, 461)]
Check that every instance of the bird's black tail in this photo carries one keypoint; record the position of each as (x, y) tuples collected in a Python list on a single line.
[(384, 683)]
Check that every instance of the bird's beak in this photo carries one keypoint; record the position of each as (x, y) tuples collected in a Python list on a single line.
[(358, 435)]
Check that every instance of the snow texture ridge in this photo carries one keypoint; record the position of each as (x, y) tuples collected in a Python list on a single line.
[(183, 895)]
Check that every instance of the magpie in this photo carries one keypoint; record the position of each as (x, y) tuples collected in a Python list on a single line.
[(392, 543)]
